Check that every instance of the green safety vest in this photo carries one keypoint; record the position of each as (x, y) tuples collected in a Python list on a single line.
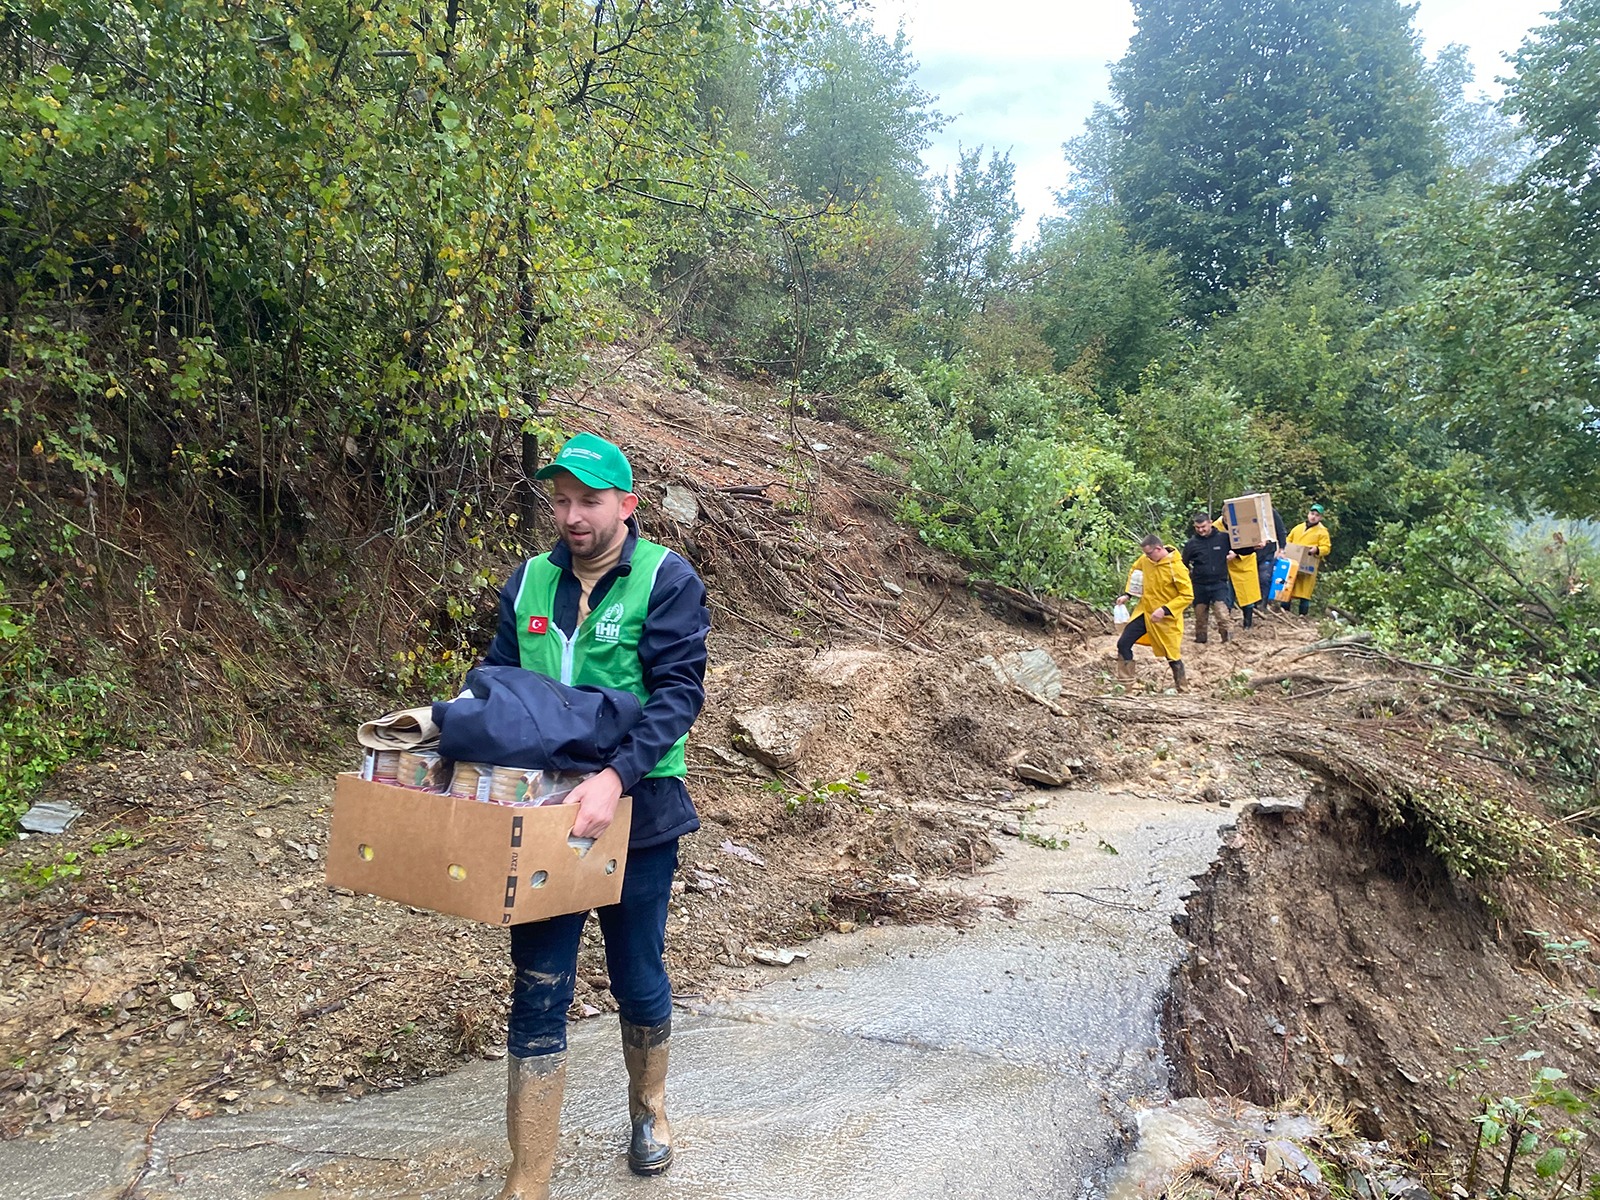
[(604, 651)]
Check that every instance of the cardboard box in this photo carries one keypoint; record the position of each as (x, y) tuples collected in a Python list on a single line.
[(1304, 560), (1284, 569), (1250, 520), (495, 863)]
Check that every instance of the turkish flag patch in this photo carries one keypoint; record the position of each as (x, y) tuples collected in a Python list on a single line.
[(538, 624)]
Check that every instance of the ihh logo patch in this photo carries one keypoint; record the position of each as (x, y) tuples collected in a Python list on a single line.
[(608, 628)]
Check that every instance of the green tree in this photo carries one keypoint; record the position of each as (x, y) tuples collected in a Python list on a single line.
[(855, 123), (1198, 436), (1245, 127), (1496, 356), (975, 214), (1556, 93), (832, 221), (1106, 307), (308, 232)]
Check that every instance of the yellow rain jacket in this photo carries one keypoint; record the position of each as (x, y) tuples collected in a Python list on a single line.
[(1166, 585), (1246, 580), (1242, 573), (1315, 536)]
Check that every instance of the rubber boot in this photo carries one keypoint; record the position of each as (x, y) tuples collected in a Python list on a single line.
[(1180, 677), (1126, 672), (533, 1123), (1202, 617), (644, 1049), (1224, 624)]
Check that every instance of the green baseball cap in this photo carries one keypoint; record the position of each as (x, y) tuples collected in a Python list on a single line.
[(594, 461), (1317, 508)]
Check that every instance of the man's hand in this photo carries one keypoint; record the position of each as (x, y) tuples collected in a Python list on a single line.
[(596, 798), (1232, 557), (1160, 614)]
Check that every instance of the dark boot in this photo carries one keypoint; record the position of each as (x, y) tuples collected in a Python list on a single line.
[(1180, 677), (533, 1123), (644, 1049), (1249, 611)]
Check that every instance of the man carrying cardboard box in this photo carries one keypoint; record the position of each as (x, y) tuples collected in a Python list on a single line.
[(605, 607), (1313, 535)]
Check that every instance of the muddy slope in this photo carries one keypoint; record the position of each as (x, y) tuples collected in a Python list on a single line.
[(1337, 960)]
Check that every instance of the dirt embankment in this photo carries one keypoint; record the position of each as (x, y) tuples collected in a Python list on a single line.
[(1336, 959)]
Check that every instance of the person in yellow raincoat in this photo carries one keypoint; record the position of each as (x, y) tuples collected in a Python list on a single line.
[(1164, 591), (1313, 534), (1244, 573)]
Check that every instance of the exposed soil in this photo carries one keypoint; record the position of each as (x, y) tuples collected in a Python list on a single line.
[(187, 956), (1337, 958)]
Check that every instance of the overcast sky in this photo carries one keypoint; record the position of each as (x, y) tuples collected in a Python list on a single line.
[(1022, 75)]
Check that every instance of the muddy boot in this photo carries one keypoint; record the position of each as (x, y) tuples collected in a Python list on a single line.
[(533, 1123), (1224, 623), (644, 1049), (1126, 672), (1180, 678), (1249, 611), (1202, 617)]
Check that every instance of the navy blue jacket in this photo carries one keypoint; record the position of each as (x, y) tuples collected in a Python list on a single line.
[(672, 651), (517, 718), (1207, 557)]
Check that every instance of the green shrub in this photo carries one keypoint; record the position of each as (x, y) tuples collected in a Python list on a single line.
[(46, 717)]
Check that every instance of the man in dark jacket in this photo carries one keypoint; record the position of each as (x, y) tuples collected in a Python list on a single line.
[(609, 608), (1207, 555)]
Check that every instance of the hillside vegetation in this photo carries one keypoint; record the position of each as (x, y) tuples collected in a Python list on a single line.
[(294, 294)]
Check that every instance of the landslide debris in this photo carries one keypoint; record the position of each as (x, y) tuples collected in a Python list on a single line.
[(176, 950)]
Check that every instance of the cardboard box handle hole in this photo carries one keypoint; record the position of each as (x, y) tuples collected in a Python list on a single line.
[(364, 852), (457, 872), (611, 866), (539, 879)]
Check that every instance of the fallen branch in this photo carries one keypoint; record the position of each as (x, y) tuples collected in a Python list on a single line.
[(1050, 612), (1341, 643), (1044, 700), (1297, 677), (1093, 899), (338, 1002), (131, 1191)]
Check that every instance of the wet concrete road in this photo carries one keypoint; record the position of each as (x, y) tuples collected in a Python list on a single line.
[(896, 1063)]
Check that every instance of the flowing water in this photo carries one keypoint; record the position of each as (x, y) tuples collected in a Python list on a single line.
[(1003, 1061)]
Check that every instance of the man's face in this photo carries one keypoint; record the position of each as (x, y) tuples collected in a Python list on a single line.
[(1203, 526), (1155, 553), (590, 520), (1313, 517)]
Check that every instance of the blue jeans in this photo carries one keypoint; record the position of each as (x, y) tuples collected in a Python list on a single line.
[(545, 955)]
